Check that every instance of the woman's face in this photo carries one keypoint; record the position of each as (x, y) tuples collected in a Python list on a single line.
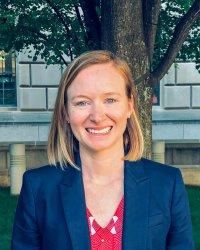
[(98, 108)]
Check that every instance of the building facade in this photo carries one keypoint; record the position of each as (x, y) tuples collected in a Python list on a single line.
[(26, 109)]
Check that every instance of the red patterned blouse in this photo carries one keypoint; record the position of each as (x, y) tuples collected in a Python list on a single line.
[(110, 237)]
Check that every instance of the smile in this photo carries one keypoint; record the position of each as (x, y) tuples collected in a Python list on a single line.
[(98, 131)]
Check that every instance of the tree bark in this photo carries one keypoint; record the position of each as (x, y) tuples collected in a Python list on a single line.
[(151, 10), (123, 33), (92, 22), (144, 100), (128, 29)]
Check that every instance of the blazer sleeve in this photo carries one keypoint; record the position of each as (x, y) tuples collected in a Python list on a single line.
[(26, 234), (180, 234)]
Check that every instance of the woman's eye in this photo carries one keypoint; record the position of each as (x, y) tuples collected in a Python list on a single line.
[(82, 103), (110, 100)]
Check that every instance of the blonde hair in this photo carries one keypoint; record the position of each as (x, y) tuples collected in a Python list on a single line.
[(61, 142)]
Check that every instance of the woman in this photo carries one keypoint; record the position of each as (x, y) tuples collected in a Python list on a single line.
[(100, 193)]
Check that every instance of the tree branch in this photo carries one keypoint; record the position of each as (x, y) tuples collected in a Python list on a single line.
[(59, 16), (44, 37), (78, 15), (180, 34), (69, 35), (81, 23), (63, 60), (92, 22), (151, 10), (41, 35)]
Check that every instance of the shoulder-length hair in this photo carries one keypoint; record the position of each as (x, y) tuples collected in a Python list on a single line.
[(62, 144)]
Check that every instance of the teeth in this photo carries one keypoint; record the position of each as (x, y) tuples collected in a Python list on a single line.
[(102, 131)]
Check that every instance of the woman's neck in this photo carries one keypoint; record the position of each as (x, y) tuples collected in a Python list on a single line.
[(102, 168)]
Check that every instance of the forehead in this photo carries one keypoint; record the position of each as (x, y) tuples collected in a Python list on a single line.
[(102, 69), (99, 77)]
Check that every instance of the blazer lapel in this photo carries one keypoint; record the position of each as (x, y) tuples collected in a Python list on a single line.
[(73, 201), (136, 204)]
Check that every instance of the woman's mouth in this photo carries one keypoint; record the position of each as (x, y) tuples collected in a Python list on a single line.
[(98, 131)]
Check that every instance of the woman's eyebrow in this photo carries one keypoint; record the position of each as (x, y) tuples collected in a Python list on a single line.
[(103, 94), (79, 96), (112, 93)]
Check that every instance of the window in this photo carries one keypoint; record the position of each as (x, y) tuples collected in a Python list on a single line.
[(7, 79)]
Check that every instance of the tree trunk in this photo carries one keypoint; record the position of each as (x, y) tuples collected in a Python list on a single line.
[(122, 33), (144, 100)]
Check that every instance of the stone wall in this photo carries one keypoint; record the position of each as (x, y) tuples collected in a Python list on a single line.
[(35, 157), (187, 158), (37, 84), (176, 120), (180, 88)]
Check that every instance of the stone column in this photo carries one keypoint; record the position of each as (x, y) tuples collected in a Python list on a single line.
[(17, 167), (158, 151)]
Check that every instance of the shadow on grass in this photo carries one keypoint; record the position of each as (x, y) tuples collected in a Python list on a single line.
[(8, 205), (194, 199), (7, 210)]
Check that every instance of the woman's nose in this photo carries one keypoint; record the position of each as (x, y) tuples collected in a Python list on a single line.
[(97, 113)]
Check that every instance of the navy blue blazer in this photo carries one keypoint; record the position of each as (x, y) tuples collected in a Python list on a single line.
[(51, 212)]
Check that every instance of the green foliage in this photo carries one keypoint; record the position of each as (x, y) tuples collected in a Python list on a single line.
[(170, 14), (50, 28), (54, 29)]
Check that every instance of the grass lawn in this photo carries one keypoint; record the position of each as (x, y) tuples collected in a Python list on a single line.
[(8, 204), (194, 198), (7, 209)]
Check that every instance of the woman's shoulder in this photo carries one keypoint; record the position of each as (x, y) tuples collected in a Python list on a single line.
[(160, 167), (155, 171), (44, 170), (46, 180), (160, 171), (46, 174)]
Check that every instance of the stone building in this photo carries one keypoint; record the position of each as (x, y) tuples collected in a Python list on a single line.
[(176, 120), (27, 94)]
